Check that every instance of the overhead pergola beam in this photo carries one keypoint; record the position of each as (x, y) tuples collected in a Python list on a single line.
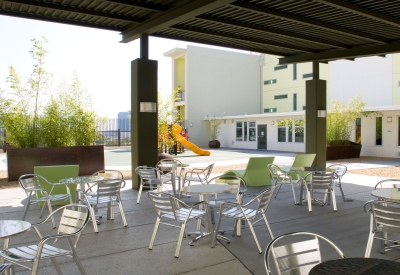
[(309, 22), (73, 9), (268, 30), (58, 20), (242, 38), (142, 5), (215, 43), (342, 54), (173, 16), (361, 11)]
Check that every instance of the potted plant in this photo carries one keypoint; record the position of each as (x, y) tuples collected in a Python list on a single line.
[(214, 129)]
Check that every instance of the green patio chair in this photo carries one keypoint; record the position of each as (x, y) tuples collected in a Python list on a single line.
[(256, 172), (304, 160)]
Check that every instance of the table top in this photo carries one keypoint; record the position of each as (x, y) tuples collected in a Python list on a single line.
[(82, 179), (10, 228), (392, 194), (172, 164), (312, 169), (360, 266), (206, 188)]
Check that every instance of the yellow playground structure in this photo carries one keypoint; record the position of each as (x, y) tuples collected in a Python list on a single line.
[(176, 132)]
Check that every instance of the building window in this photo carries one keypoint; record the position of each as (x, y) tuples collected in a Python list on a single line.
[(270, 110), (307, 75), (277, 68), (294, 102), (239, 131), (252, 131), (271, 81), (281, 133), (245, 131), (304, 107), (294, 71), (358, 130), (299, 130), (290, 132), (280, 97), (378, 131)]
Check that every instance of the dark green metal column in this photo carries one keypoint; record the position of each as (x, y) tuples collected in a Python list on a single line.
[(316, 126), (144, 123)]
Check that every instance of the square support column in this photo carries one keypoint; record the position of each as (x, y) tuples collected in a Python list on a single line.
[(144, 123), (316, 126)]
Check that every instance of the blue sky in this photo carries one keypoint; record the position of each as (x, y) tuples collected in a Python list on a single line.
[(101, 61)]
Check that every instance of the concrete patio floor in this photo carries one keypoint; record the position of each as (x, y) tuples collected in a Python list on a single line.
[(124, 250)]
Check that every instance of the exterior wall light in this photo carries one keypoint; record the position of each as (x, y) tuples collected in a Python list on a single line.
[(389, 119), (148, 107), (321, 113), (272, 122), (191, 124)]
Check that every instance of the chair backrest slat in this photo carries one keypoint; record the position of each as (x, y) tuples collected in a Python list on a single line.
[(264, 199), (71, 221), (161, 203), (387, 215)]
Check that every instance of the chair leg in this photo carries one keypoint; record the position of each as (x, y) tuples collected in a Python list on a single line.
[(212, 215), (279, 188), (268, 227), (93, 216), (341, 189), (369, 244), (153, 236), (333, 194), (309, 199), (214, 236), (121, 210), (140, 193), (178, 246), (76, 258), (254, 236), (27, 206), (56, 266), (294, 194), (50, 211)]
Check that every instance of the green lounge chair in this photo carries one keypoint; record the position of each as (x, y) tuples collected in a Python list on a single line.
[(256, 172)]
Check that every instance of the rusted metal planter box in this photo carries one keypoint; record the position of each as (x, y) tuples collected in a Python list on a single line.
[(347, 151), (22, 160)]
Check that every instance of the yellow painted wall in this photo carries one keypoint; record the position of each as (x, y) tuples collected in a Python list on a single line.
[(285, 84), (180, 72), (395, 79)]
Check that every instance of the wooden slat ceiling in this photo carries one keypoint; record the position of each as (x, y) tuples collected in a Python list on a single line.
[(297, 30)]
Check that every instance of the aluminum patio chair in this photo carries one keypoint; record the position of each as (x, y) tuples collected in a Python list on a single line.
[(106, 194), (385, 219), (36, 194), (198, 175), (74, 218), (238, 188), (388, 183), (7, 269), (320, 181), (169, 209), (240, 211), (149, 176), (284, 257), (169, 166), (340, 171), (280, 177)]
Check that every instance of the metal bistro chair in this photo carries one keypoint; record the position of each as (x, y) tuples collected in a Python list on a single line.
[(7, 269), (170, 208), (31, 184), (340, 171), (198, 175), (295, 257), (280, 177), (320, 181), (240, 211), (73, 220), (166, 166), (385, 219), (238, 188), (107, 192), (149, 176)]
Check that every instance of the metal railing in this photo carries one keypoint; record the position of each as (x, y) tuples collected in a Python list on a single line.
[(114, 138)]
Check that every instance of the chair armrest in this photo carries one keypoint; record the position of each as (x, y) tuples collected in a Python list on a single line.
[(198, 203)]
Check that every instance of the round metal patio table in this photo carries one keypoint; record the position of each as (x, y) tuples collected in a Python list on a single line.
[(359, 266), (391, 194), (9, 228)]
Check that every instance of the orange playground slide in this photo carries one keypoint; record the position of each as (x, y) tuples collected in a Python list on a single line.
[(176, 131)]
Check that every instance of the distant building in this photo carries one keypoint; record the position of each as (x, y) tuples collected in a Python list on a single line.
[(124, 121)]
